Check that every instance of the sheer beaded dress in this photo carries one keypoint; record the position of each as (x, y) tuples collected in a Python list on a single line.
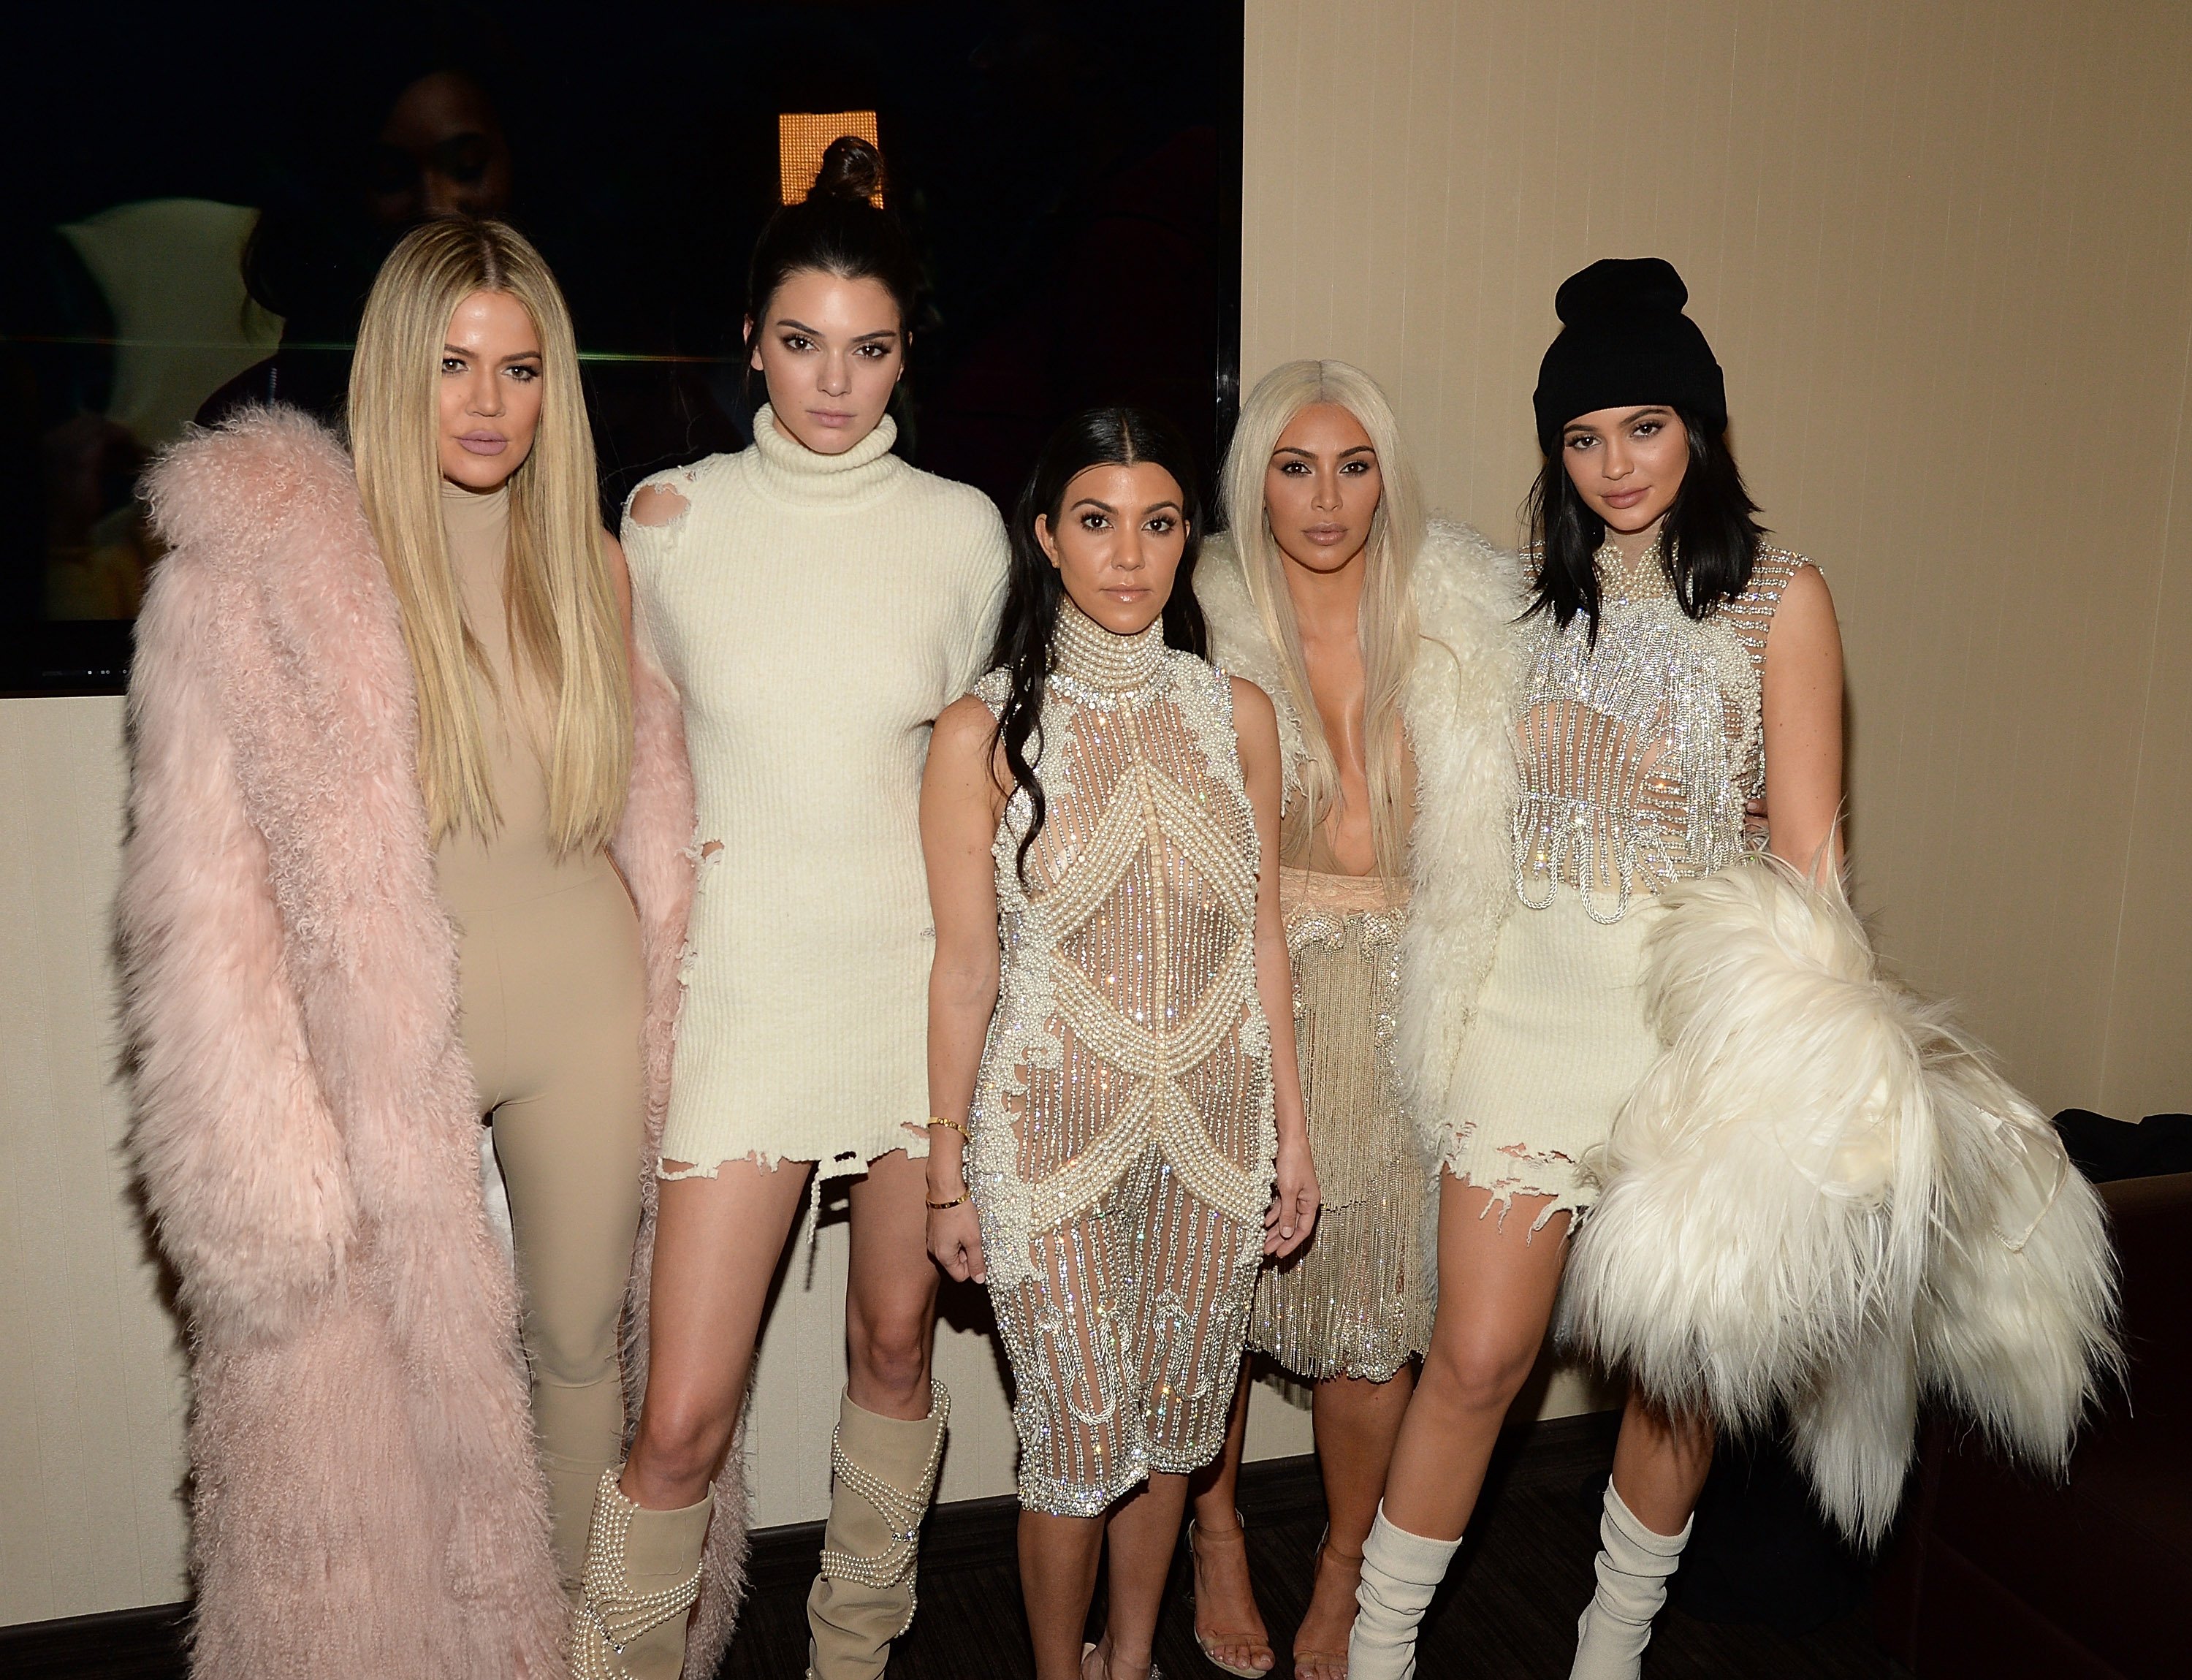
[(1638, 749), (1122, 1121)]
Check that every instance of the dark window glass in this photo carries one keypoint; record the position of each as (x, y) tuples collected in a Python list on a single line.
[(198, 198)]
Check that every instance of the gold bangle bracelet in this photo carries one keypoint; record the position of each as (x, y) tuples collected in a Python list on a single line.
[(958, 1126), (939, 1207)]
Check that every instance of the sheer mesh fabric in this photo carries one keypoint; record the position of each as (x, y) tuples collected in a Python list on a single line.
[(1123, 1136)]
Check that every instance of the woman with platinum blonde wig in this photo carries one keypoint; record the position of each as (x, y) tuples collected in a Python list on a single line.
[(389, 725), (1381, 634)]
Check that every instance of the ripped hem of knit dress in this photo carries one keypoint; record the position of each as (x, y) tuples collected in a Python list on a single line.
[(1567, 1184)]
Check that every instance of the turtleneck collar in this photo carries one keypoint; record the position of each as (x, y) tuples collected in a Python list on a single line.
[(1621, 583), (1087, 659), (789, 471), (475, 512)]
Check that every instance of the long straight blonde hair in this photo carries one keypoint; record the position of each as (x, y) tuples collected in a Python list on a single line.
[(566, 629), (1386, 623)]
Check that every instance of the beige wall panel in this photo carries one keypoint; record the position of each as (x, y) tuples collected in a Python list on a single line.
[(1941, 250), (2147, 1064), (91, 1391)]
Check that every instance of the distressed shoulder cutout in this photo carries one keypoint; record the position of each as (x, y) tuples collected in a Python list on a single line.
[(658, 504)]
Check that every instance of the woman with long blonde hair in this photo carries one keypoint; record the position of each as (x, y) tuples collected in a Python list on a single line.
[(1379, 633), (389, 727)]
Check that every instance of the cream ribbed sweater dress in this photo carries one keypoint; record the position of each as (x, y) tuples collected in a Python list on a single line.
[(816, 613)]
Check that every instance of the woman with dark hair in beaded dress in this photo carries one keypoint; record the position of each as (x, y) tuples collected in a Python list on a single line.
[(1675, 667), (1810, 1194), (1111, 1055)]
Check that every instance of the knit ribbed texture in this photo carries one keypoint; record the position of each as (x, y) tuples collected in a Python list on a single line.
[(816, 613)]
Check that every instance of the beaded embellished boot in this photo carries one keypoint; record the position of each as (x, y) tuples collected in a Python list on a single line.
[(641, 1576), (1633, 1567), (883, 1474)]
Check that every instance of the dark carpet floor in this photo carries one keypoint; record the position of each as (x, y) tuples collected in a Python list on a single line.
[(1507, 1612)]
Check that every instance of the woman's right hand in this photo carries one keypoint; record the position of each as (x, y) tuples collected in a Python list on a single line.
[(955, 1242)]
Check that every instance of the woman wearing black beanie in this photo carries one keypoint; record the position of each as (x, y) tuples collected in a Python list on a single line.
[(1647, 670), (1799, 1215), (1783, 1192)]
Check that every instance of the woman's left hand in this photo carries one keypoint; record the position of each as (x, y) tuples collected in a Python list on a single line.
[(1291, 1215)]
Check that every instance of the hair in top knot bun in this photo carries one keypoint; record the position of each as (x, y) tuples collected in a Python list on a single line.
[(851, 168), (836, 229)]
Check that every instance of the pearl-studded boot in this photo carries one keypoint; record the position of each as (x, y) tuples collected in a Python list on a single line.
[(883, 1474), (641, 1577)]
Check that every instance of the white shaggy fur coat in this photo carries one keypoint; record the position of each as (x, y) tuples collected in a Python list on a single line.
[(1824, 1200), (365, 1499), (1468, 594)]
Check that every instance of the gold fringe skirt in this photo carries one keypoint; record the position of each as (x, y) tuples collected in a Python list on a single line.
[(1358, 1301)]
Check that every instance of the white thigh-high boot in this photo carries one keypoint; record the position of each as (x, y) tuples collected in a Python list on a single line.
[(1633, 1567), (1400, 1571)]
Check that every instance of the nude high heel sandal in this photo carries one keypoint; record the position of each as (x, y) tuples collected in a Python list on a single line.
[(1314, 1659), (1209, 1644)]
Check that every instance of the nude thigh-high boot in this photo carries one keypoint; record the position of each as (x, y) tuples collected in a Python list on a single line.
[(1633, 1567), (1400, 1571), (641, 1577), (883, 1476)]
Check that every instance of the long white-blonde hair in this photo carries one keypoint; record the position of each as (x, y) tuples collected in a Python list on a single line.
[(1386, 623), (565, 629)]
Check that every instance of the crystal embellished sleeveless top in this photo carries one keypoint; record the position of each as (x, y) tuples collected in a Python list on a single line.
[(1640, 750), (1127, 1015)]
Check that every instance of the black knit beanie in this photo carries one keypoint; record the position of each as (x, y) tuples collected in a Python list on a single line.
[(1624, 340)]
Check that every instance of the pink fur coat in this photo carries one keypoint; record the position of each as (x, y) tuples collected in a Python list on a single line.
[(365, 1498)]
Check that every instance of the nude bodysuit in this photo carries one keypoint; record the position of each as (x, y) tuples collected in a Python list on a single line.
[(553, 1000)]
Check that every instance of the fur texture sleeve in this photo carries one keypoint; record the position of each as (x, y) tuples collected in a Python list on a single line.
[(1458, 706), (239, 1154)]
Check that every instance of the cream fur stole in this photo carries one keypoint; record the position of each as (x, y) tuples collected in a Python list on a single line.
[(1824, 1202), (1468, 595), (366, 1498)]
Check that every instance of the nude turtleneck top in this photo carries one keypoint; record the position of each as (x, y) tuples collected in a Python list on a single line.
[(816, 613), (516, 862)]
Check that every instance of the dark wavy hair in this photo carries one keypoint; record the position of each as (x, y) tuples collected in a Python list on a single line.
[(1113, 436), (1710, 538)]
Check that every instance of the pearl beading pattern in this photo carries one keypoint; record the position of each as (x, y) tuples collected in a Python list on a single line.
[(900, 1508), (612, 1613), (1123, 1134), (1639, 751)]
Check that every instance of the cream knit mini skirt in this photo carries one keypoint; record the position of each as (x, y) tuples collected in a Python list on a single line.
[(1559, 1041)]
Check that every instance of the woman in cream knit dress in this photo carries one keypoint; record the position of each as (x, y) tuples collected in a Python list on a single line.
[(817, 603), (1674, 669)]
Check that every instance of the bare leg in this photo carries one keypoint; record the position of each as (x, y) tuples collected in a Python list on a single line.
[(1497, 1281), (1357, 1423), (890, 1294), (716, 1242), (1660, 1463), (1058, 1578), (1227, 1623), (1143, 1531)]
